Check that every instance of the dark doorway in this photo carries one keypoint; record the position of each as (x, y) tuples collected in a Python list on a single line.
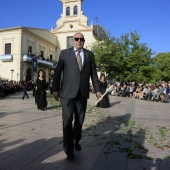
[(28, 74)]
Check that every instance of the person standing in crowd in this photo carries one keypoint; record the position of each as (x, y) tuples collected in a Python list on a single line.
[(104, 103), (77, 66), (24, 84), (41, 100), (51, 81)]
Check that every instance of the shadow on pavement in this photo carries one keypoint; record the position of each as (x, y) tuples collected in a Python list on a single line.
[(114, 103), (53, 107), (108, 142), (29, 155)]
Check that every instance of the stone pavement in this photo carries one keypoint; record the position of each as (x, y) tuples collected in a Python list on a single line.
[(130, 135)]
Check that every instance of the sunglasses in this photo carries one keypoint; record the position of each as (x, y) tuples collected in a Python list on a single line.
[(81, 39)]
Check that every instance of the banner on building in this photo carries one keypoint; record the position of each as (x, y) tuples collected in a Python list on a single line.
[(34, 65)]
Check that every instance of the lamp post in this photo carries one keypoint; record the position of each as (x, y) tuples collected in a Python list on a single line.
[(17, 76), (12, 74)]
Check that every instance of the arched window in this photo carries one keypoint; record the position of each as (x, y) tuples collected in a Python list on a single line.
[(75, 10), (68, 11)]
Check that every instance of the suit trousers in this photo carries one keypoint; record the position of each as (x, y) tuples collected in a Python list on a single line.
[(72, 108)]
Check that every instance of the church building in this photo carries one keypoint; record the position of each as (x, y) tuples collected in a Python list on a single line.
[(25, 50)]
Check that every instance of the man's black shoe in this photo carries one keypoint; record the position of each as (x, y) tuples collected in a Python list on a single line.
[(77, 147), (70, 156)]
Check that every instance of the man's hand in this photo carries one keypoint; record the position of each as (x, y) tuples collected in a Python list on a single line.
[(99, 95), (56, 95)]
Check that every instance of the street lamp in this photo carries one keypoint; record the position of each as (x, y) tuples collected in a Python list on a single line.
[(12, 74), (17, 76)]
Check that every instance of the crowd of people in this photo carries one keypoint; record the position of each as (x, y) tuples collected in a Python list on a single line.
[(145, 91), (71, 78), (159, 91), (37, 87), (9, 87)]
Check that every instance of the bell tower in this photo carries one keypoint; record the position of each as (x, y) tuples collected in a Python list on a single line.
[(72, 14), (71, 7), (72, 20)]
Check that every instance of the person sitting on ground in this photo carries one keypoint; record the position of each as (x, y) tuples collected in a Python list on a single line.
[(149, 93), (166, 96), (124, 91), (161, 93), (136, 92), (121, 89), (131, 90), (155, 93), (127, 91), (142, 94)]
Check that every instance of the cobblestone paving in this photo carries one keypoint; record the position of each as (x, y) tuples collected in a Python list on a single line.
[(141, 137), (130, 135)]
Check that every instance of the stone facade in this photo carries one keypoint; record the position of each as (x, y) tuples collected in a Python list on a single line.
[(19, 45)]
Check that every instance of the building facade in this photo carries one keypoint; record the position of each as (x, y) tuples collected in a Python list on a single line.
[(24, 50), (18, 47)]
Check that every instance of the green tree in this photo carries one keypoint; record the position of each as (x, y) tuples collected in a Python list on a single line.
[(107, 55), (124, 58), (137, 58), (161, 63)]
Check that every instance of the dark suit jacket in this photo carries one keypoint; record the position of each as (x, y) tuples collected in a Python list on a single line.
[(73, 79)]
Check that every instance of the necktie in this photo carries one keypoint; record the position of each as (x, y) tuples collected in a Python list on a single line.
[(79, 60)]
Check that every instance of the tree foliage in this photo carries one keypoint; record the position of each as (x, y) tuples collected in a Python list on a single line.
[(161, 63), (124, 58)]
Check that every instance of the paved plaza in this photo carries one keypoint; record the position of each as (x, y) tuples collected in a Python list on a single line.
[(132, 134)]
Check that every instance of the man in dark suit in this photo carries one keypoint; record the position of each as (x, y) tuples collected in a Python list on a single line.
[(76, 65)]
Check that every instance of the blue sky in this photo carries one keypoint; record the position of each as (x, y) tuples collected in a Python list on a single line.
[(150, 18)]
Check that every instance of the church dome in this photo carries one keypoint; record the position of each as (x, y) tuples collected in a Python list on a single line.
[(98, 31)]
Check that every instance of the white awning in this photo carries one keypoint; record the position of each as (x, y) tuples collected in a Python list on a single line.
[(45, 62), (6, 57), (29, 59)]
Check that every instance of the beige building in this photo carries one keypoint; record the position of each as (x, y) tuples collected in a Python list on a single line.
[(20, 46)]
